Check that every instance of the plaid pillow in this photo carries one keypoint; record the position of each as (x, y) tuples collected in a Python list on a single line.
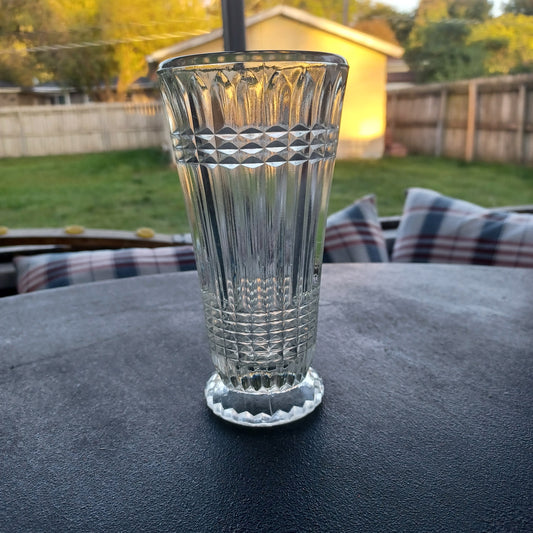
[(355, 235), (439, 229), (46, 271)]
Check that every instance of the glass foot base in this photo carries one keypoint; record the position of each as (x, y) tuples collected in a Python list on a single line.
[(263, 409)]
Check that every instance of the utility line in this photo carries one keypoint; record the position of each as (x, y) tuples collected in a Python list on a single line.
[(79, 29), (102, 42)]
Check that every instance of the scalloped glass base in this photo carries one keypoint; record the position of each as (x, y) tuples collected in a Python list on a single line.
[(264, 409)]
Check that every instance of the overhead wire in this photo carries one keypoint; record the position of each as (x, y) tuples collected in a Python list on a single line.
[(101, 42), (124, 24)]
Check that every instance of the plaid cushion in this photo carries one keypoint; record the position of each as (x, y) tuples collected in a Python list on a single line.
[(439, 229), (46, 271), (355, 235)]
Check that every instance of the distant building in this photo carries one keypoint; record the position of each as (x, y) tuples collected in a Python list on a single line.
[(9, 94), (398, 74), (51, 93), (363, 123)]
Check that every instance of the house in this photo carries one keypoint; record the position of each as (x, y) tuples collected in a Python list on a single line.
[(285, 28), (9, 94), (399, 75), (52, 93), (48, 93), (142, 89)]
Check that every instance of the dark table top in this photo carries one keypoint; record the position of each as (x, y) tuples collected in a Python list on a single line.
[(426, 423)]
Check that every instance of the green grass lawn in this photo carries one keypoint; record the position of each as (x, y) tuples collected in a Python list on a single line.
[(127, 190)]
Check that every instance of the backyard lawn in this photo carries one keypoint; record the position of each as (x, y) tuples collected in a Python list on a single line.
[(127, 190)]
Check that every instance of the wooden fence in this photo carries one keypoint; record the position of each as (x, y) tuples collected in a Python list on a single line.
[(485, 119), (70, 129)]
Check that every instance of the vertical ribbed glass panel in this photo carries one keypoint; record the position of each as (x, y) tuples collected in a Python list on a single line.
[(255, 137)]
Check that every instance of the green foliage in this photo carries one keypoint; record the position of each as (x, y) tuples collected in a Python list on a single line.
[(508, 41), (442, 53), (444, 39), (356, 14), (18, 22), (378, 28), (330, 9), (430, 11), (402, 25), (457, 39), (436, 10), (26, 24), (383, 21), (478, 10), (145, 18), (519, 7), (88, 68)]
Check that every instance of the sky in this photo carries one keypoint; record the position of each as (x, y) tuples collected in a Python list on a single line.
[(409, 5)]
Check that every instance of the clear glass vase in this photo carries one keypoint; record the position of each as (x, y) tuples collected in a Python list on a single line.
[(255, 137)]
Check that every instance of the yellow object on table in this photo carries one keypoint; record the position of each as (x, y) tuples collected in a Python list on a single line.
[(74, 230), (145, 233)]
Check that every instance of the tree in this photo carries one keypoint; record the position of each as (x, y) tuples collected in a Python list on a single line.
[(478, 10), (438, 48), (428, 12), (383, 21), (431, 11), (141, 20), (443, 53), (357, 10), (436, 10), (370, 17), (508, 43), (330, 9), (402, 25), (88, 68), (378, 28), (519, 7), (18, 22), (91, 42)]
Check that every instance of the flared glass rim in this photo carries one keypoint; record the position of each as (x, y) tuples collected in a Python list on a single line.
[(250, 56)]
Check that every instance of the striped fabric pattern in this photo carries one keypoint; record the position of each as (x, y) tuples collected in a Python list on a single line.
[(355, 235), (352, 235), (439, 229), (46, 271)]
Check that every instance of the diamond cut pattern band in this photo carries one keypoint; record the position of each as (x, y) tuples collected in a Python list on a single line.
[(252, 147)]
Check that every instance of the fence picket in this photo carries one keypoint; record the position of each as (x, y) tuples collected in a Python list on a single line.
[(486, 119), (80, 128)]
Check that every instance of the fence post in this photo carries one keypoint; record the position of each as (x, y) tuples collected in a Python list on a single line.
[(392, 109), (439, 134), (471, 121), (521, 117), (105, 137), (23, 138)]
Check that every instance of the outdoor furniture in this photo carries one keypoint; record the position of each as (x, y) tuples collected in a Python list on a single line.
[(426, 423), (16, 242), (457, 232)]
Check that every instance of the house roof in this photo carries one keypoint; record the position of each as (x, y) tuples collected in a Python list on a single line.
[(50, 87), (298, 15), (53, 88), (8, 87)]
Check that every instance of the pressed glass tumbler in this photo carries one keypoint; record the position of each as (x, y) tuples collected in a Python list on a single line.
[(254, 136)]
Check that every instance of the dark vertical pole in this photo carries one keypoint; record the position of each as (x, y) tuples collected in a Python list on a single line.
[(233, 25)]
